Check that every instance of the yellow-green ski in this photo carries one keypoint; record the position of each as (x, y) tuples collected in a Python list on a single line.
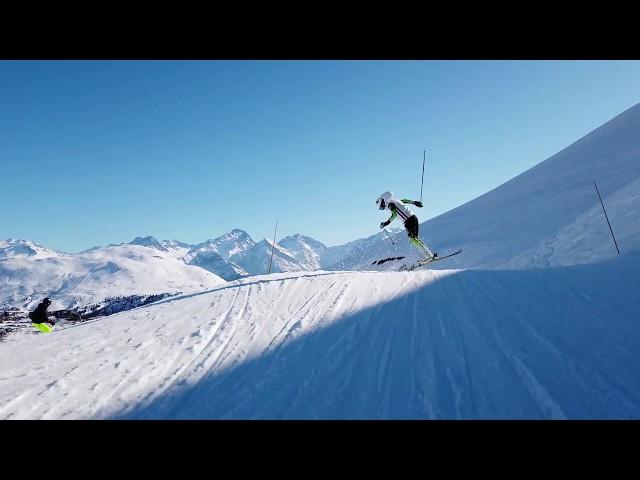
[(43, 327)]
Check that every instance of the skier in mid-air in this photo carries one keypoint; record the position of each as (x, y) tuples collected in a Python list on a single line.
[(397, 207)]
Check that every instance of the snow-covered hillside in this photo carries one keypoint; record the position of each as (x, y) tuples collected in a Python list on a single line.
[(211, 261), (175, 248), (226, 245), (549, 215), (214, 255), (358, 254), (30, 271), (89, 277), (235, 255), (541, 343), (256, 259), (307, 251), (13, 248)]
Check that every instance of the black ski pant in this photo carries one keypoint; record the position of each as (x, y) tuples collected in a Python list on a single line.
[(412, 226)]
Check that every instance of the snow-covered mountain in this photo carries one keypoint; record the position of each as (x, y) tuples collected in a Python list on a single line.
[(255, 260), (548, 343), (525, 338), (214, 255), (211, 261), (358, 254), (72, 280), (225, 245), (238, 255), (175, 248), (150, 242), (307, 251), (549, 215), (230, 256), (13, 248), (205, 255)]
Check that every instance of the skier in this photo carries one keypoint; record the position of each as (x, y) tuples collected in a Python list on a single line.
[(39, 315), (397, 207)]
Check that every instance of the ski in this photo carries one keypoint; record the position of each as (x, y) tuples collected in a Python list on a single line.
[(43, 327), (425, 262)]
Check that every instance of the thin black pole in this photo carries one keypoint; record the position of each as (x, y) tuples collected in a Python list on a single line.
[(424, 157), (394, 243), (607, 217), (273, 246)]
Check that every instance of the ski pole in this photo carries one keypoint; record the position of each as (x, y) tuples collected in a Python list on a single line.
[(424, 157), (385, 231)]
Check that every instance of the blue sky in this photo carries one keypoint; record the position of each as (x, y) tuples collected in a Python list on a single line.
[(98, 152)]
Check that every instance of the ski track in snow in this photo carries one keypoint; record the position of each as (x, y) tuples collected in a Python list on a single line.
[(552, 343)]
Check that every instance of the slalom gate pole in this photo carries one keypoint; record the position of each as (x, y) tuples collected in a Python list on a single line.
[(606, 216), (273, 246)]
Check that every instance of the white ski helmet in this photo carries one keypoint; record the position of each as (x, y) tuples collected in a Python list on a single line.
[(383, 200)]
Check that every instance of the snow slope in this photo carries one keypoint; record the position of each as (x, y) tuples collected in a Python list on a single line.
[(358, 254), (226, 245), (214, 255), (214, 263), (150, 242), (175, 248), (549, 215), (246, 257), (307, 251), (90, 277), (542, 343), (13, 248), (25, 276), (256, 259)]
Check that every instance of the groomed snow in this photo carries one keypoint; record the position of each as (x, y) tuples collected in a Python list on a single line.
[(544, 343)]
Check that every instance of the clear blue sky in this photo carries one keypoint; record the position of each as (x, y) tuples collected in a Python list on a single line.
[(98, 152)]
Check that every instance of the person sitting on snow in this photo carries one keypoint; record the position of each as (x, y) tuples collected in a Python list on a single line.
[(39, 315)]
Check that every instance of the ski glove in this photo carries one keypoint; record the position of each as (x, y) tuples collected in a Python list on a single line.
[(384, 224), (418, 203)]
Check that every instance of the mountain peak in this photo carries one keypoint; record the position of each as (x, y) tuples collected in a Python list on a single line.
[(148, 241), (18, 247), (306, 250), (298, 237), (235, 234), (268, 243)]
